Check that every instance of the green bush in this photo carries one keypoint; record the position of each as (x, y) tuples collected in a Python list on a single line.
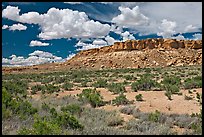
[(129, 77), (195, 82), (15, 87), (116, 88), (154, 116), (101, 83), (139, 97), (171, 80), (16, 105), (37, 88), (67, 86), (92, 96), (144, 84), (42, 126), (45, 106), (72, 108), (66, 120), (174, 89), (120, 100), (51, 88)]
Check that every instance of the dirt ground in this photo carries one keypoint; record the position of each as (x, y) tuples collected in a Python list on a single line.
[(153, 100)]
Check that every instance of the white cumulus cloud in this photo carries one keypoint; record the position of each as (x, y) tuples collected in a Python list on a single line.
[(197, 36), (95, 44), (130, 17), (73, 2), (15, 27), (35, 58), (110, 40), (5, 27), (60, 23), (127, 36), (99, 42), (179, 37), (190, 28), (167, 28), (38, 43)]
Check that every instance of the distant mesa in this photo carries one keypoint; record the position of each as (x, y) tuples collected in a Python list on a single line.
[(129, 54), (158, 43)]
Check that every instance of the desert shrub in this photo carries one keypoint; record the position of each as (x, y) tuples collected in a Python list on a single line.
[(101, 83), (127, 110), (120, 100), (129, 77), (115, 121), (46, 80), (139, 97), (67, 86), (15, 87), (72, 108), (174, 89), (59, 79), (144, 84), (45, 106), (92, 96), (68, 120), (37, 88), (195, 82), (116, 88), (148, 128), (84, 84), (171, 80), (16, 105), (42, 126), (51, 88), (154, 116)]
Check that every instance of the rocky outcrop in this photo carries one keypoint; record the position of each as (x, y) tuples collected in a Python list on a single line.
[(157, 43)]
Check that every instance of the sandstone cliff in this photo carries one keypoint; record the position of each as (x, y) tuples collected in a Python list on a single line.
[(130, 45)]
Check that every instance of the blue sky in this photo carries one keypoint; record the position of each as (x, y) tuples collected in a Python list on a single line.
[(41, 32)]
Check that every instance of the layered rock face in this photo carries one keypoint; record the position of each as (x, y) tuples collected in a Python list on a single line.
[(158, 43)]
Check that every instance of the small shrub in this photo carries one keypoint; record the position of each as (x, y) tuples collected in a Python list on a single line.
[(67, 86), (66, 120), (154, 116), (45, 106), (139, 97), (127, 110), (171, 80), (144, 84), (129, 77), (92, 96), (195, 82), (120, 100), (41, 126), (116, 88), (37, 88), (51, 88), (171, 88), (73, 109), (101, 83)]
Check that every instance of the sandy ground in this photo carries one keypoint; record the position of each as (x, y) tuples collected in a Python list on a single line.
[(153, 100)]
